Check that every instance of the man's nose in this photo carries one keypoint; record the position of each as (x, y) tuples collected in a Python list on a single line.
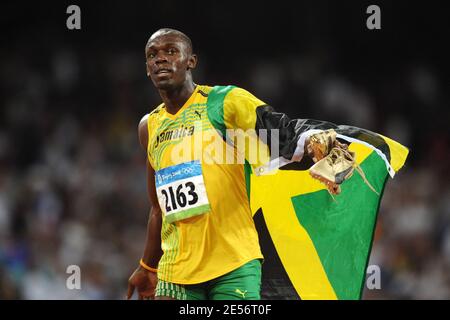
[(160, 57)]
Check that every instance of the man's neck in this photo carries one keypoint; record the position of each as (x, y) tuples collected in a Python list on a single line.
[(175, 99)]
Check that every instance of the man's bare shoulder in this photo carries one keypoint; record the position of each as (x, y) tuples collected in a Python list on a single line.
[(143, 131), (144, 122), (143, 125)]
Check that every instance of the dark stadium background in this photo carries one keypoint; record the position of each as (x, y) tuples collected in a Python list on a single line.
[(72, 183)]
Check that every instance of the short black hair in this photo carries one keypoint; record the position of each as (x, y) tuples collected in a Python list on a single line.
[(182, 35)]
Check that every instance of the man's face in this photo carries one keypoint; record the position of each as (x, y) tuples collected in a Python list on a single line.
[(168, 61)]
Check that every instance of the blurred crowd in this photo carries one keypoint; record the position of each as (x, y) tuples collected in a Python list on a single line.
[(72, 173)]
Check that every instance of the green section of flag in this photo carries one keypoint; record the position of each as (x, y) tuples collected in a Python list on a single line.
[(342, 232)]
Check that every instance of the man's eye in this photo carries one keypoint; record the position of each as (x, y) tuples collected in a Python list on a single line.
[(151, 55), (171, 51)]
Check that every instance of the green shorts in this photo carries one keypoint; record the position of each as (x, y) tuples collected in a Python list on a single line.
[(243, 283)]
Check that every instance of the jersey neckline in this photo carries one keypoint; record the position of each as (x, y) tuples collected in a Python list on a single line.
[(186, 104)]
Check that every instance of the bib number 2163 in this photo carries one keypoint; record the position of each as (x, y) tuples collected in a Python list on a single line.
[(181, 191), (181, 197)]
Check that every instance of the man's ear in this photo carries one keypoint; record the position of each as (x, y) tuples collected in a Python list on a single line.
[(148, 69), (192, 62)]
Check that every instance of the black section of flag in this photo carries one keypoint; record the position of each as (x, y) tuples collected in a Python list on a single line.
[(275, 281), (289, 131)]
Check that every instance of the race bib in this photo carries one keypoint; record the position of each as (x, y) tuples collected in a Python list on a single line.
[(181, 191)]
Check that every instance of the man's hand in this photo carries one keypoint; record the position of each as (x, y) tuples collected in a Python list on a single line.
[(334, 163), (336, 166), (145, 283), (319, 145)]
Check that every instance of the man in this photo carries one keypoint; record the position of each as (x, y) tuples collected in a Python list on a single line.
[(201, 239)]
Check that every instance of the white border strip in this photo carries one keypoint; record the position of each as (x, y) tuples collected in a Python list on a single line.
[(378, 151), (279, 162)]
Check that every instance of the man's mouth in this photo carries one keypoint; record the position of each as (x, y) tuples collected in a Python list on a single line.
[(163, 71)]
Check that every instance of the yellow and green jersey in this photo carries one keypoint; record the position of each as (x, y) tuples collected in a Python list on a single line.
[(208, 228)]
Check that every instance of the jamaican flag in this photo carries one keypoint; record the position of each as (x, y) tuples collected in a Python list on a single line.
[(323, 243)]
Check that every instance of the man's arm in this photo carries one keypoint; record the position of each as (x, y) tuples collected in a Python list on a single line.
[(142, 279), (296, 137), (242, 110), (153, 251)]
